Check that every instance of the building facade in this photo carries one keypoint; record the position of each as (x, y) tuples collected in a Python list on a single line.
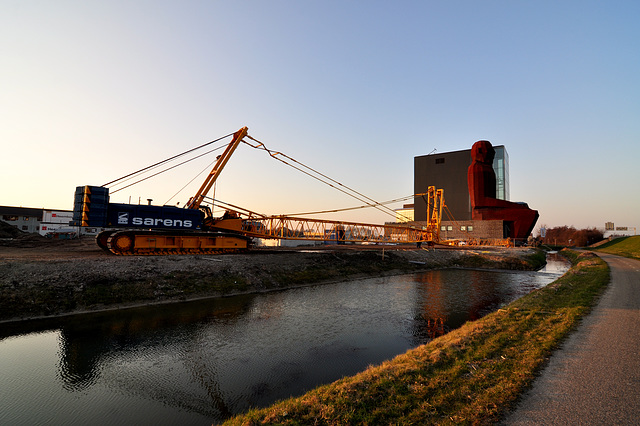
[(37, 221), (405, 214), (465, 230), (448, 171), (55, 221), (24, 218)]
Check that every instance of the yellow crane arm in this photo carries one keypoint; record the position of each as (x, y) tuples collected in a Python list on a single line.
[(194, 203), (295, 228)]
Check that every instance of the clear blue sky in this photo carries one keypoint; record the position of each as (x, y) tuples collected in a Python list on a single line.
[(92, 90)]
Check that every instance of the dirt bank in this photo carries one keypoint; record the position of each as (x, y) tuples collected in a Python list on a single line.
[(41, 277)]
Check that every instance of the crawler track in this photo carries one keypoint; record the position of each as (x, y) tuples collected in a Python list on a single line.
[(154, 243)]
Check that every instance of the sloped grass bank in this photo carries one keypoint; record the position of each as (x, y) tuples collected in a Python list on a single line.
[(627, 247), (472, 375)]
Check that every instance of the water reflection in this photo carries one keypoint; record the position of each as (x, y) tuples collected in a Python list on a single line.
[(446, 299), (201, 362), (142, 340)]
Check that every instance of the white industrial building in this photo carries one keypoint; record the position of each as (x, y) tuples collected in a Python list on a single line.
[(37, 221), (55, 221)]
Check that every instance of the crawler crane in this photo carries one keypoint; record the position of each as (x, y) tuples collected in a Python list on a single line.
[(162, 230)]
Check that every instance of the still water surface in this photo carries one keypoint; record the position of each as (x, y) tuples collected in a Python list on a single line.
[(200, 362)]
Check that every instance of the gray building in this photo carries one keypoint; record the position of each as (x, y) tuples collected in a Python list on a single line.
[(448, 171), (23, 218)]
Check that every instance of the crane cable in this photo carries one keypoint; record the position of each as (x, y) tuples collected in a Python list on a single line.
[(357, 207), (207, 167), (232, 206), (360, 197), (165, 161), (167, 169), (246, 211)]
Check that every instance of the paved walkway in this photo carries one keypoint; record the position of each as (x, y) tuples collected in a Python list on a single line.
[(594, 378)]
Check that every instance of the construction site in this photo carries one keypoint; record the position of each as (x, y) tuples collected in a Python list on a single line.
[(135, 229), (141, 253)]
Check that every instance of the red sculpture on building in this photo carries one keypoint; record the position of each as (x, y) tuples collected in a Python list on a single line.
[(518, 219)]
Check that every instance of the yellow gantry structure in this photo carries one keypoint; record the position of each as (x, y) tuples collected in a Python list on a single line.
[(297, 228), (435, 204)]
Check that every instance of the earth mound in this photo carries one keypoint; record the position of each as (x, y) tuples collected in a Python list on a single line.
[(8, 231)]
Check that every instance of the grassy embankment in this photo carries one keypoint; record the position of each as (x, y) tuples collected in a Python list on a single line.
[(472, 375), (627, 247)]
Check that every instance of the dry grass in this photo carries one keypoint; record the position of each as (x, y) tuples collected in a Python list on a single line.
[(472, 375)]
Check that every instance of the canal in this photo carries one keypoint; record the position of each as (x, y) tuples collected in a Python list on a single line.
[(200, 362)]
